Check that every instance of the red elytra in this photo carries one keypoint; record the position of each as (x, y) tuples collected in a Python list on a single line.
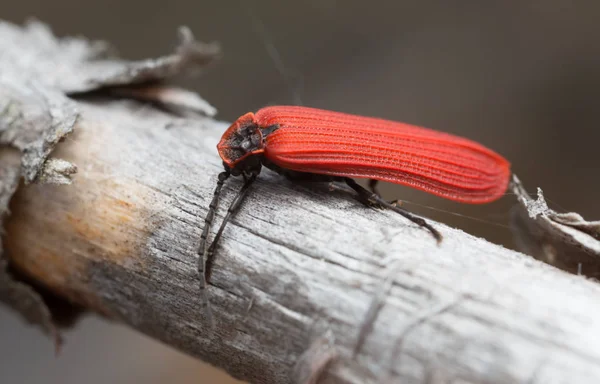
[(307, 143), (314, 141)]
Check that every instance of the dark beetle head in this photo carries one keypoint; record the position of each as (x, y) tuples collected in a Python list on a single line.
[(241, 146)]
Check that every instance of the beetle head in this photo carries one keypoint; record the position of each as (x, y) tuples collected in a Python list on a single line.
[(241, 146)]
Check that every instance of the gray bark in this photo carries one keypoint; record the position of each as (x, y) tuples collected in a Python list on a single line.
[(37, 72), (298, 267), (308, 285)]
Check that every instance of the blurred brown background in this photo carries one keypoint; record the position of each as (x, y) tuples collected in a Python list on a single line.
[(520, 77)]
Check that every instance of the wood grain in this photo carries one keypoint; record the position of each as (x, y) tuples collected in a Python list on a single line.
[(300, 271)]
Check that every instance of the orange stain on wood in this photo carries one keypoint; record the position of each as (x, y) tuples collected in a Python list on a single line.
[(124, 203), (70, 237), (58, 234)]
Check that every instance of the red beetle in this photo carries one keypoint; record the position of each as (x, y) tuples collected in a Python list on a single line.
[(313, 144)]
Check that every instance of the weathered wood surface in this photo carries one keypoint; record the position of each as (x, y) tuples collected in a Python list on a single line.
[(297, 272), (38, 72)]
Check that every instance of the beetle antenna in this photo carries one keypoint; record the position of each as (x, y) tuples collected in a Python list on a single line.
[(203, 248), (233, 208)]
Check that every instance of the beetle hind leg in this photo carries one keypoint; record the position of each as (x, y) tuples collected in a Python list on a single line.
[(363, 195), (373, 188), (373, 199)]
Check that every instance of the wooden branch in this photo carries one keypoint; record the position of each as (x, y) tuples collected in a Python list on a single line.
[(37, 71), (304, 278)]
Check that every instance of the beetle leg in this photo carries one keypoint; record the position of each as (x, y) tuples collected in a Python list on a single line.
[(373, 187), (203, 248), (395, 203), (334, 187), (372, 198), (363, 198)]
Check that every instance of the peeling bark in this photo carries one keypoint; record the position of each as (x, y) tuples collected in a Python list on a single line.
[(565, 240), (37, 72)]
